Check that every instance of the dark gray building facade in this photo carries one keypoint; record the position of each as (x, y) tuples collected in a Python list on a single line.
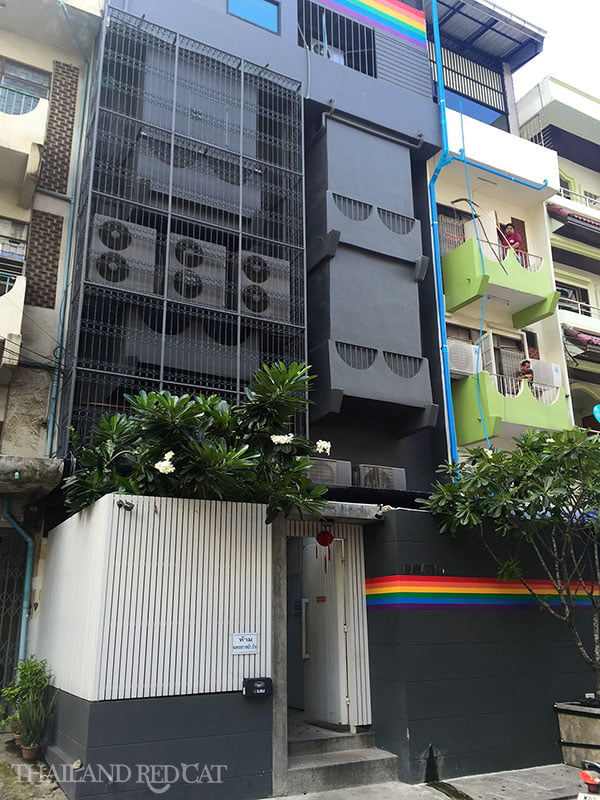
[(255, 189)]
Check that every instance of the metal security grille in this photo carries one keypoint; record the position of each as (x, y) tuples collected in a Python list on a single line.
[(466, 77), (189, 266), (336, 37), (12, 573)]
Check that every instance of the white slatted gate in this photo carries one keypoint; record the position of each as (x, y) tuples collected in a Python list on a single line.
[(155, 609)]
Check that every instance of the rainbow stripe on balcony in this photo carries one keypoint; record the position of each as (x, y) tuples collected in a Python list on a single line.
[(454, 593), (389, 16)]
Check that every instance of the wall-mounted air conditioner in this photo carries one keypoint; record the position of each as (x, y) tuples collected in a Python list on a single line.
[(122, 255), (209, 99), (372, 476), (332, 53), (462, 357), (330, 472), (201, 175), (546, 373), (193, 346), (197, 271), (265, 286)]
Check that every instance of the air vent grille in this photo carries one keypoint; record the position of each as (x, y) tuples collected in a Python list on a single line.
[(355, 210), (401, 365), (372, 476), (397, 223), (356, 356)]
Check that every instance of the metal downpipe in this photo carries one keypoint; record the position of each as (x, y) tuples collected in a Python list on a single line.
[(28, 577)]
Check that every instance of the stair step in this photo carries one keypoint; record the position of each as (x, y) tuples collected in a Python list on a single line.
[(304, 745), (318, 772)]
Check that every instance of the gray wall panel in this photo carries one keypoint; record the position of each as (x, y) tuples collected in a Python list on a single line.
[(204, 729), (478, 685)]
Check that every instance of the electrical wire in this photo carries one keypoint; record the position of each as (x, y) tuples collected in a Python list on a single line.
[(29, 318), (484, 298)]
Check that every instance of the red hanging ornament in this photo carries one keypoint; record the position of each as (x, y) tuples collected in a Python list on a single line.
[(324, 538)]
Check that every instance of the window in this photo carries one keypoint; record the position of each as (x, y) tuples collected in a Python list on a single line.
[(21, 87), (12, 252), (264, 13), (567, 185), (337, 38), (573, 298), (592, 199)]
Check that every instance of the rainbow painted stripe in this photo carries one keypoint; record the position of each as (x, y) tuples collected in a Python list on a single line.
[(390, 16), (439, 592)]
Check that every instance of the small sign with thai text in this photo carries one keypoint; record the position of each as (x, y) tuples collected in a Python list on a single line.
[(244, 643)]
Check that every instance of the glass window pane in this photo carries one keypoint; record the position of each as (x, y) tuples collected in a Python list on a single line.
[(262, 12)]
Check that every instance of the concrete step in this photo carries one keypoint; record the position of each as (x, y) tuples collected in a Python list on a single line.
[(318, 772), (319, 743)]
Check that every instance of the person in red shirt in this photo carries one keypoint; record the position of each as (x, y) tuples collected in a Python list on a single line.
[(512, 239)]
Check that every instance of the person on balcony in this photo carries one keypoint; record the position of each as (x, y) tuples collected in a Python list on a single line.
[(511, 239), (525, 373)]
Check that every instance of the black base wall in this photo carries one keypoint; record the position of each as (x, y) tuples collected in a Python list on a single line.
[(477, 685), (123, 736)]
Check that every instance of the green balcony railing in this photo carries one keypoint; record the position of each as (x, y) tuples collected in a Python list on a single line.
[(504, 400), (521, 278), (14, 101)]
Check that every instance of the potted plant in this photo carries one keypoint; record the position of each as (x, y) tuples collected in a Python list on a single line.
[(35, 711), (540, 502), (32, 679)]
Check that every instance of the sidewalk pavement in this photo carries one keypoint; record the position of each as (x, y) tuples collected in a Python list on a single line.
[(553, 782)]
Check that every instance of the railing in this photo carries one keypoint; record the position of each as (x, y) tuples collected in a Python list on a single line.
[(583, 199), (13, 101), (528, 261), (510, 386), (577, 307), (450, 240), (7, 280)]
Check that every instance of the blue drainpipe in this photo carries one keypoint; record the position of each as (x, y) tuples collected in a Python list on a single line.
[(28, 576), (437, 257), (444, 160), (70, 225)]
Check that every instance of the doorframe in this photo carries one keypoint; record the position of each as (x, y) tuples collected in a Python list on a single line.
[(351, 513)]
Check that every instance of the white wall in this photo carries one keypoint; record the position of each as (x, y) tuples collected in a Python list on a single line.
[(152, 597)]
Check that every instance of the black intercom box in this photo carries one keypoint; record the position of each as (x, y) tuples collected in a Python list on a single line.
[(257, 687)]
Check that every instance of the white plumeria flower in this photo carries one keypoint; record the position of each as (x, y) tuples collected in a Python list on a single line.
[(284, 438), (549, 440), (168, 456), (323, 446), (165, 467)]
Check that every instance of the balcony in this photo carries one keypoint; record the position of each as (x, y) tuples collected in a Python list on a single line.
[(22, 131), (509, 408), (520, 280), (506, 154), (590, 201), (12, 302)]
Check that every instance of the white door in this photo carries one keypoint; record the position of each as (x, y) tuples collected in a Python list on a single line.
[(487, 359), (324, 633)]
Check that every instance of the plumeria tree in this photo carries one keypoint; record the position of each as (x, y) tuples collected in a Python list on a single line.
[(207, 448), (536, 505)]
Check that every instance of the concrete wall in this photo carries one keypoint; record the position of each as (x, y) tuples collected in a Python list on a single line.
[(477, 685), (24, 405), (126, 736)]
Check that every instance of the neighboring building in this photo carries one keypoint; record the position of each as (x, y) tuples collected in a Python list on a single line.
[(42, 72), (500, 301), (567, 121)]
